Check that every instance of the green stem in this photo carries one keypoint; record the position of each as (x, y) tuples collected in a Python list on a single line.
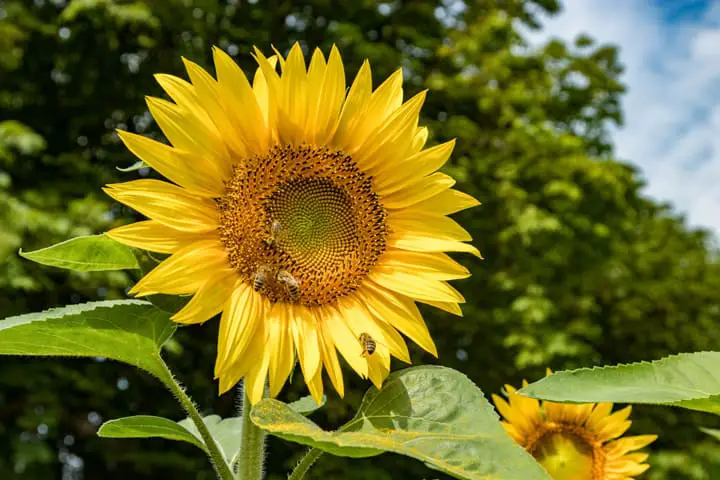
[(307, 461), (216, 457), (252, 445)]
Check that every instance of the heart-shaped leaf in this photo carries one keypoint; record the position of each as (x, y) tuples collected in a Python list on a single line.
[(688, 380), (306, 405), (431, 413), (226, 432), (129, 331), (91, 253)]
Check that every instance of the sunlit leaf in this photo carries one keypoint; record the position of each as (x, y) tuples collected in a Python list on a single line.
[(91, 253), (129, 331), (306, 405), (431, 413), (688, 380), (148, 426), (226, 433)]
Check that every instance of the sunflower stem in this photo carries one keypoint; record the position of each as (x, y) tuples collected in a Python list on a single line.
[(252, 445), (216, 457), (307, 461)]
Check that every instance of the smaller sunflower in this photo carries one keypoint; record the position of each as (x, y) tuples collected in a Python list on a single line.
[(574, 442)]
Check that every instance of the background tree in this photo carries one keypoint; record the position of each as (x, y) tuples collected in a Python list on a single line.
[(580, 268)]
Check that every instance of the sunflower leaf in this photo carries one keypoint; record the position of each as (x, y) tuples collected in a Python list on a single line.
[(148, 426), (431, 413), (129, 331), (687, 380), (307, 405), (91, 253), (226, 433)]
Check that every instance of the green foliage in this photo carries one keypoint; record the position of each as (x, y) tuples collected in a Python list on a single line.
[(147, 426), (713, 432), (432, 413), (685, 380), (86, 254), (306, 405), (126, 330)]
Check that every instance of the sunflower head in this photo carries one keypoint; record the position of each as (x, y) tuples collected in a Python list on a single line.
[(574, 442), (310, 215)]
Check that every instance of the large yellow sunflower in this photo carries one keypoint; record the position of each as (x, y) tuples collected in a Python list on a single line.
[(309, 217), (574, 442)]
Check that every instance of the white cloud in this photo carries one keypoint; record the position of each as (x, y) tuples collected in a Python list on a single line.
[(672, 108)]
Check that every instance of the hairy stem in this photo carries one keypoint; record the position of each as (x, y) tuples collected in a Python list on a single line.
[(216, 457), (252, 445), (307, 461)]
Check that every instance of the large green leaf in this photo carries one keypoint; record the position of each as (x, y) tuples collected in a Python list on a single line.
[(225, 432), (431, 413), (688, 380), (148, 426), (130, 331), (86, 254)]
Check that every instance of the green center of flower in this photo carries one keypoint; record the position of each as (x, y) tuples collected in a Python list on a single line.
[(313, 225), (566, 456), (302, 224)]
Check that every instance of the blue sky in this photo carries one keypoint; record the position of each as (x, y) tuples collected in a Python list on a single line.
[(671, 51)]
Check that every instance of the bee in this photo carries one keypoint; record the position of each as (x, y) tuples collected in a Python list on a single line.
[(274, 230), (260, 277), (368, 344), (290, 282)]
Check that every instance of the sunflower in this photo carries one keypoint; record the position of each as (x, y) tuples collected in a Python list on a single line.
[(309, 215), (574, 442)]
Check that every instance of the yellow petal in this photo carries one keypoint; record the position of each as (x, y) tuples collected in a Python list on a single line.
[(209, 299), (422, 189), (195, 173), (307, 343), (242, 315), (330, 98), (446, 202), (356, 101), (210, 96), (240, 103), (399, 175), (330, 359), (161, 201), (345, 341), (185, 271), (427, 225), (315, 385), (185, 131), (154, 236), (449, 307), (398, 312), (415, 287), (434, 265), (280, 344)]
